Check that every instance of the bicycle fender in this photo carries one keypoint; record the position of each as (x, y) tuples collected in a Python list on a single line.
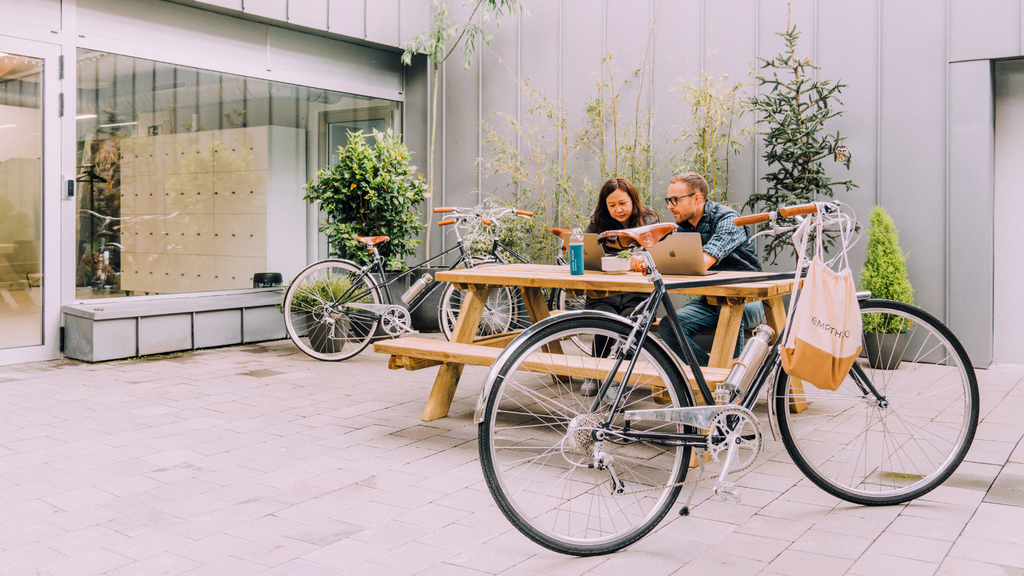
[(513, 346)]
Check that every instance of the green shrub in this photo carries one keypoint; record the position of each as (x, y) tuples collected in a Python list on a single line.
[(371, 192), (885, 270)]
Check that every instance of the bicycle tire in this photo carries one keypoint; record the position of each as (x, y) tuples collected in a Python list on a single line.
[(562, 302), (317, 318), (537, 475), (864, 452), (505, 310)]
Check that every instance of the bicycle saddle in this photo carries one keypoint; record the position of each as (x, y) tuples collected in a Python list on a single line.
[(372, 240), (645, 236)]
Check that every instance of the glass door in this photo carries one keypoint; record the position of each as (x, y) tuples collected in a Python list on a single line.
[(29, 298)]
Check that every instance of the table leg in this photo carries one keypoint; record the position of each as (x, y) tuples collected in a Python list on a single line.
[(726, 333), (440, 399), (775, 313), (537, 307)]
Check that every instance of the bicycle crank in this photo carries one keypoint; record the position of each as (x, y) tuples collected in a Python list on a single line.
[(737, 432)]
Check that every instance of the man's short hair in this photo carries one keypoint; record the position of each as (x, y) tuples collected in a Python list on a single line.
[(694, 181)]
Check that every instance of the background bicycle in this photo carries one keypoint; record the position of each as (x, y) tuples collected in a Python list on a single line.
[(333, 308), (588, 476)]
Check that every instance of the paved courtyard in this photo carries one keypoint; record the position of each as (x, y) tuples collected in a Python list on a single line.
[(259, 460)]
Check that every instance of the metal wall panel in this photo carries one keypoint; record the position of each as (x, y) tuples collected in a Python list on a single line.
[(275, 9), (851, 55), (413, 18), (347, 17), (500, 93), (309, 13), (1008, 269), (676, 59), (971, 151), (984, 29), (382, 21), (416, 124), (316, 56), (912, 159), (231, 4), (38, 12)]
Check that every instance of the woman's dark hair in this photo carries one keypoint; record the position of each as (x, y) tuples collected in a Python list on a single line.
[(603, 220)]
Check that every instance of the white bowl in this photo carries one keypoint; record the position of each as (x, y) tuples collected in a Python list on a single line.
[(614, 264)]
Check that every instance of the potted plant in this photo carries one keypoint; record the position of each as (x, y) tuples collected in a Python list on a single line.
[(885, 275), (617, 264), (371, 192)]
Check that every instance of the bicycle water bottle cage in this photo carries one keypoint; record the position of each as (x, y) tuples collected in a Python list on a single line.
[(372, 240), (645, 236)]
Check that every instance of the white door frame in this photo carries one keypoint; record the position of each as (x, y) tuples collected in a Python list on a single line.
[(52, 199)]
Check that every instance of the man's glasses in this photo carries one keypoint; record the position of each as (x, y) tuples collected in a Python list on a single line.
[(673, 200)]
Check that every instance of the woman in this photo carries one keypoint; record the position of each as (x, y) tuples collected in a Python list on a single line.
[(618, 207)]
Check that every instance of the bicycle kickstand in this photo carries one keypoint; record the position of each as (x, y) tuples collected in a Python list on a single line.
[(699, 454)]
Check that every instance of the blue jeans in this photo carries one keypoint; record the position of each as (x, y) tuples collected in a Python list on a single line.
[(697, 317)]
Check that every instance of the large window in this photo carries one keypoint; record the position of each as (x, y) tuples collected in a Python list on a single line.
[(192, 181), (21, 194)]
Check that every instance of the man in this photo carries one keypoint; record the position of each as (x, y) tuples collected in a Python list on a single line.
[(725, 248)]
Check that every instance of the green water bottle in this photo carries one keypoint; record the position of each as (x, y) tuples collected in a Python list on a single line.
[(576, 252)]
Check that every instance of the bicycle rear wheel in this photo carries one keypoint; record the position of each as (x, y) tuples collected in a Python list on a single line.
[(886, 452), (505, 310), (537, 449), (322, 314)]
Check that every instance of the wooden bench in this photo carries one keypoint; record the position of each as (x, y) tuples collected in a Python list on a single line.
[(414, 353)]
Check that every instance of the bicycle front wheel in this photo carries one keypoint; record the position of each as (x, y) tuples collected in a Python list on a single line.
[(539, 452), (322, 312), (890, 450)]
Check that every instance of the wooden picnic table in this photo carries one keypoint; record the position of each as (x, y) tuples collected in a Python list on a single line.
[(414, 353)]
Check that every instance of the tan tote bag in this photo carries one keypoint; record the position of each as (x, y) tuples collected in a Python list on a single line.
[(824, 336)]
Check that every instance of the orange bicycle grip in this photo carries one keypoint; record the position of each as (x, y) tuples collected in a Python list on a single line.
[(559, 231), (486, 221), (445, 222), (442, 210), (524, 213), (752, 219), (787, 212)]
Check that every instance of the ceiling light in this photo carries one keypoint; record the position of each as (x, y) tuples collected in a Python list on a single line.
[(84, 116), (118, 124), (8, 126)]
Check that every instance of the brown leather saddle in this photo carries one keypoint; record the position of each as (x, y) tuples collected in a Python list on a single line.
[(645, 236)]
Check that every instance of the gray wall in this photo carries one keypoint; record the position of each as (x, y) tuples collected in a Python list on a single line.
[(919, 112)]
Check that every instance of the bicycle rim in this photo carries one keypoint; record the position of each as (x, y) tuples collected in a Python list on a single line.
[(505, 311), (536, 446), (870, 453), (322, 316)]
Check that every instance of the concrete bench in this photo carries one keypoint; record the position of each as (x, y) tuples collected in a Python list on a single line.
[(127, 327)]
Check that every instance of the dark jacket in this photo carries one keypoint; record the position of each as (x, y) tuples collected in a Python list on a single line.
[(743, 257)]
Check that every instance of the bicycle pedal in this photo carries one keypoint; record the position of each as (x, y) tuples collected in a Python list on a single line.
[(728, 492)]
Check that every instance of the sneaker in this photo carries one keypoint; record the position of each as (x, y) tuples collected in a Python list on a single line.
[(589, 387), (609, 395)]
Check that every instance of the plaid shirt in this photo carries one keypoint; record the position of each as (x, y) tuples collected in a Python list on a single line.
[(726, 238)]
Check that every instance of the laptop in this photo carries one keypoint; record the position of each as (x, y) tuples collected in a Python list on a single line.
[(679, 254)]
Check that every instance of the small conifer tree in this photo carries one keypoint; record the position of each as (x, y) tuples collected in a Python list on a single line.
[(794, 108), (885, 271)]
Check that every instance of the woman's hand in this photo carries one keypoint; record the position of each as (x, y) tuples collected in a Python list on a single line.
[(636, 263)]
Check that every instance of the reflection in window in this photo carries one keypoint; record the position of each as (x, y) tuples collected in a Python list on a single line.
[(21, 193), (190, 180)]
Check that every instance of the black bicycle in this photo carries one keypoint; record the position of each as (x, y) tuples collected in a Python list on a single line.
[(334, 307), (592, 475)]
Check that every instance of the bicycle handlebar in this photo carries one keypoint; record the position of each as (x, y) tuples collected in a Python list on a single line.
[(446, 222), (524, 213), (784, 211), (442, 210)]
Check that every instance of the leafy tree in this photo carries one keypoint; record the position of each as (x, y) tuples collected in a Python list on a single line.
[(885, 271), (371, 192), (794, 109), (439, 42)]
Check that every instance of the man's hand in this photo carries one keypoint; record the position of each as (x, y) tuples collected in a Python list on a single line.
[(709, 261)]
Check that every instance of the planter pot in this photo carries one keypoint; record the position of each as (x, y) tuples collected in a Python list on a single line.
[(614, 264), (319, 335), (885, 351)]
